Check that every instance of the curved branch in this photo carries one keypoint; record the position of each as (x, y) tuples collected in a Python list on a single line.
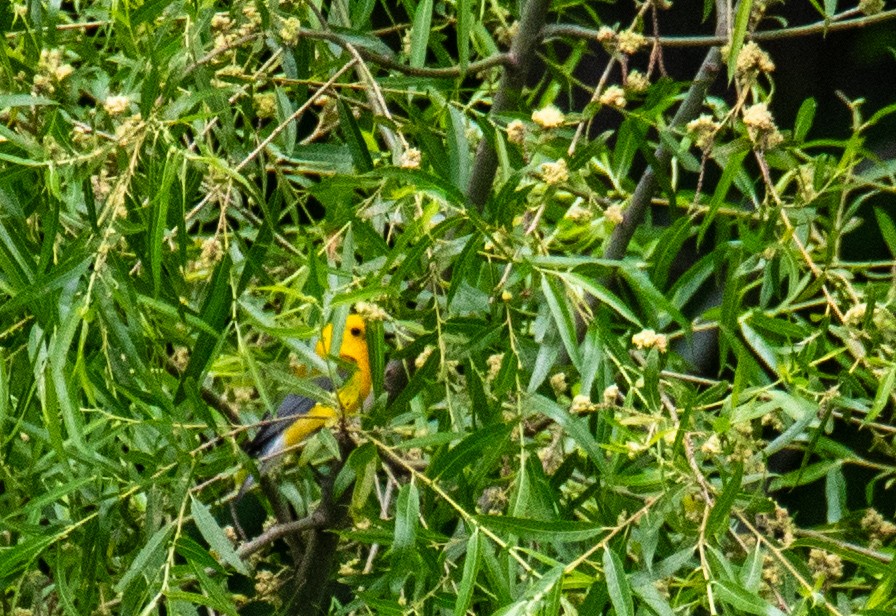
[(690, 109), (648, 184), (836, 23), (280, 530), (499, 59)]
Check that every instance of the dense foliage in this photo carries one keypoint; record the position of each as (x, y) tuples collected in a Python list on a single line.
[(621, 329)]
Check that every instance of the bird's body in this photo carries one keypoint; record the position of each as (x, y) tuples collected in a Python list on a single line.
[(298, 417)]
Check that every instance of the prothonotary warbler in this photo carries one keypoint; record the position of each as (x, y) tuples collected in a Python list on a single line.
[(298, 417)]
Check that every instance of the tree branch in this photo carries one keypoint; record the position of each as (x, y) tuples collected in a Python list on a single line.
[(313, 585), (522, 55), (836, 23), (647, 185), (499, 59), (689, 109), (280, 530)]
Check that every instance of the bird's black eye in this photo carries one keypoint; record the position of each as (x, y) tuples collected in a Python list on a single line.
[(356, 331)]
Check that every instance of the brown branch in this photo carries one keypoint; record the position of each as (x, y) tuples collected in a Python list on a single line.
[(522, 55), (208, 396), (836, 23), (499, 59), (313, 585), (689, 109), (280, 530)]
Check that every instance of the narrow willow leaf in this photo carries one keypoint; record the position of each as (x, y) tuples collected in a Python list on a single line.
[(472, 564), (472, 448), (420, 33), (376, 344), (58, 493), (24, 100), (458, 147), (407, 513), (465, 17), (751, 571), (743, 600), (192, 599), (804, 476), (741, 21), (835, 494), (563, 319), (559, 531), (655, 600), (721, 511), (354, 139), (883, 395), (535, 596), (17, 557), (804, 118), (607, 297), (575, 427), (760, 346), (196, 554), (214, 535), (217, 597), (651, 297), (617, 584), (544, 363), (286, 139), (148, 554), (158, 219), (215, 312)]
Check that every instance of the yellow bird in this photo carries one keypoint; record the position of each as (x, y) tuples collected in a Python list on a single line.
[(298, 417)]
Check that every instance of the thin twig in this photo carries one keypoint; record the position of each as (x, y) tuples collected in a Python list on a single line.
[(836, 23), (522, 56)]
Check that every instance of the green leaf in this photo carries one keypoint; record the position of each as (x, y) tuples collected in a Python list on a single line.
[(24, 100), (477, 447), (459, 164), (575, 427), (741, 21), (563, 319), (652, 298), (472, 564), (835, 494), (215, 313), (883, 395), (830, 9), (356, 144), (743, 600), (802, 411), (420, 33), (606, 297), (760, 346), (887, 229), (653, 598), (17, 557), (407, 514), (554, 531), (465, 17), (215, 537), (804, 476), (804, 118), (617, 584), (720, 514), (149, 553), (158, 213), (535, 595)]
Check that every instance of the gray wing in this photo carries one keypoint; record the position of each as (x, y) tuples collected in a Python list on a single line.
[(293, 406)]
